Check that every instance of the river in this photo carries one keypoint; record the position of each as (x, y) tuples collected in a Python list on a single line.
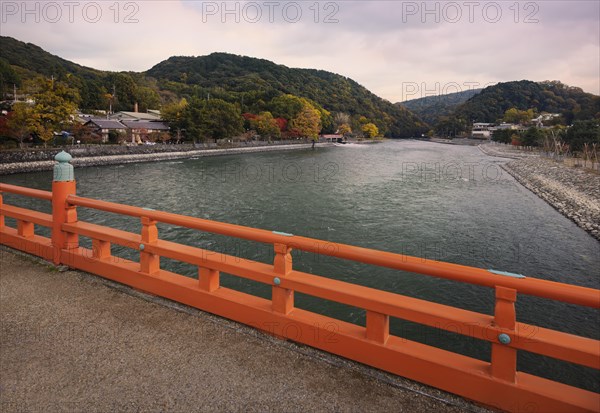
[(443, 202)]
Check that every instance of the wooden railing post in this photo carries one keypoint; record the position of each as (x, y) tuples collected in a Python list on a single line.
[(63, 185), (283, 299), (149, 263), (504, 358)]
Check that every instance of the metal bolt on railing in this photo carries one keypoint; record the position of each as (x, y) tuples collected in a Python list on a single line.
[(504, 338)]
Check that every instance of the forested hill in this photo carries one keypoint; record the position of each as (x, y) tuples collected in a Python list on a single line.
[(430, 108), (245, 81), (553, 97), (256, 81)]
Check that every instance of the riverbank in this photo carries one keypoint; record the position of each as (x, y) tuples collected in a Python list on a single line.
[(71, 341), (84, 159), (574, 192)]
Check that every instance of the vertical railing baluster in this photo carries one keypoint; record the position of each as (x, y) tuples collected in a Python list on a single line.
[(283, 299), (504, 357), (25, 229), (149, 263), (1, 214), (100, 249), (209, 280), (378, 327)]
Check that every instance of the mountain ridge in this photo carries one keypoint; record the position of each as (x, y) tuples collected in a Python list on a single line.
[(247, 81), (431, 108)]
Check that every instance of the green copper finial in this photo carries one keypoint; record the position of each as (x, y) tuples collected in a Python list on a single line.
[(63, 170)]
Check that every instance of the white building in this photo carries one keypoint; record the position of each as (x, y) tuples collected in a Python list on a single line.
[(481, 130)]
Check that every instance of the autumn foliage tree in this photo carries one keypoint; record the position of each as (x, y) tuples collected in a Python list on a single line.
[(370, 130), (53, 110), (307, 123), (266, 125), (344, 129), (18, 122), (514, 115)]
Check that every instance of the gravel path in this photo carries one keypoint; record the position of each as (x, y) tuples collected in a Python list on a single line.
[(574, 192), (74, 342)]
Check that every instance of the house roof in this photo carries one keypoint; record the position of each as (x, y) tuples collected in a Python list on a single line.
[(140, 124), (106, 123), (135, 115)]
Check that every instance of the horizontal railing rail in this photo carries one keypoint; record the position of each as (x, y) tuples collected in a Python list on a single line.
[(531, 286), (496, 383)]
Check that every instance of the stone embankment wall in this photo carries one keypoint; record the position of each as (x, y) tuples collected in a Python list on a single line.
[(574, 192), (12, 162)]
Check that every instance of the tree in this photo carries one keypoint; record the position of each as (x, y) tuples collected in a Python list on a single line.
[(341, 118), (450, 126), (583, 132), (126, 91), (174, 115), (212, 119), (286, 106), (370, 130), (531, 137), (308, 122), (266, 125), (19, 122), (147, 98), (514, 115), (502, 135), (54, 109), (344, 129), (8, 79)]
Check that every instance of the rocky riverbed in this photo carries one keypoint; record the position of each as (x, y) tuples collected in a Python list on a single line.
[(44, 165), (574, 192)]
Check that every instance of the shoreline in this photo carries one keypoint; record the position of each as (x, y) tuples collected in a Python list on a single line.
[(574, 192), (46, 165)]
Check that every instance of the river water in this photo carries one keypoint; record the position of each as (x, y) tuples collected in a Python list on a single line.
[(443, 202)]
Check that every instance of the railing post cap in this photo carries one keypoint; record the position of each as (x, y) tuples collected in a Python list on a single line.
[(63, 157), (63, 170)]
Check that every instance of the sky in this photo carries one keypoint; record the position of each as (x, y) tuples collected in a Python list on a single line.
[(399, 50)]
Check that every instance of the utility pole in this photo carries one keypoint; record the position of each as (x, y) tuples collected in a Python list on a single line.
[(14, 93), (111, 102)]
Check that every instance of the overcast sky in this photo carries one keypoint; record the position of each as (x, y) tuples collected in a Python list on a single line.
[(397, 49)]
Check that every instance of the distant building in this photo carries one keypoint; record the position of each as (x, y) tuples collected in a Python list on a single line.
[(333, 138), (140, 130), (105, 126), (544, 117), (505, 125), (139, 116), (481, 130)]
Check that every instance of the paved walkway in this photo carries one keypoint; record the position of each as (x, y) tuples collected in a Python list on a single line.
[(73, 342)]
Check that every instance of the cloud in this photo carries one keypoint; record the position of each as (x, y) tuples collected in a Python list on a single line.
[(383, 45)]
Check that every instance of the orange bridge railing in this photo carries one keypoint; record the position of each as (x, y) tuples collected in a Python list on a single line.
[(496, 383)]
